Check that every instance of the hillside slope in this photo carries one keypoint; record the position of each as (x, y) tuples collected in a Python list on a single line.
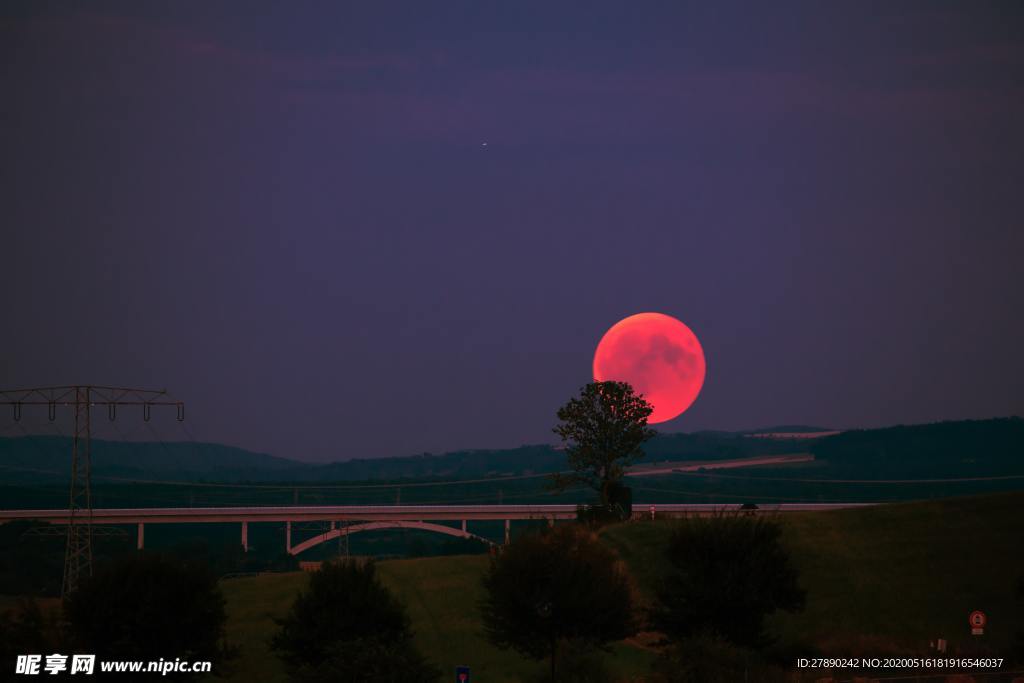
[(879, 580), (962, 448), (893, 576)]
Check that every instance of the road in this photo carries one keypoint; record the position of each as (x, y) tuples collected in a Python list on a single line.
[(669, 467), (297, 513)]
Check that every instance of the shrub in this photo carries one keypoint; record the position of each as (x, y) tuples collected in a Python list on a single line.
[(27, 629), (554, 590), (349, 627), (729, 573), (147, 606)]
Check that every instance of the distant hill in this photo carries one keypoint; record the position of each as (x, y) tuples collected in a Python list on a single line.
[(991, 443), (963, 446), (35, 458), (538, 458), (787, 429), (41, 458)]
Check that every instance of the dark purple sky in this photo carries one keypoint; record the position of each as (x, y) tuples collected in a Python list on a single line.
[(286, 215)]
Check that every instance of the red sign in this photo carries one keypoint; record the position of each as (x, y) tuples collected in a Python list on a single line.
[(977, 619)]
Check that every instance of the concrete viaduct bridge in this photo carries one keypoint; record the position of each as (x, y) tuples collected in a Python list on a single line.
[(350, 519)]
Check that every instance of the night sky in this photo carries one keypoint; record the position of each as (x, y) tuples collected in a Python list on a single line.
[(288, 216)]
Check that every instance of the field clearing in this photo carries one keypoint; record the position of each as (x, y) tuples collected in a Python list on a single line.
[(910, 573), (882, 580), (888, 578), (441, 593)]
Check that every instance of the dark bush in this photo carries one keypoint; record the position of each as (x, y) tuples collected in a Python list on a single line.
[(347, 626), (147, 606), (555, 590), (729, 573), (26, 629)]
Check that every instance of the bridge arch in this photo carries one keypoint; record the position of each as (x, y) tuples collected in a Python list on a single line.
[(371, 526)]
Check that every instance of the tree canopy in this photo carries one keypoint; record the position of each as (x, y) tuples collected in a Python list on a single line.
[(555, 589), (729, 573), (149, 606), (347, 626), (603, 430), (28, 628)]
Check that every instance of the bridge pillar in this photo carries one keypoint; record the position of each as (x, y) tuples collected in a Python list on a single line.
[(245, 536), (508, 530), (463, 526), (551, 521), (288, 537), (142, 534)]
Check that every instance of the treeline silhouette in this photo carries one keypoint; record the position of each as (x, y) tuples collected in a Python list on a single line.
[(967, 446), (39, 458)]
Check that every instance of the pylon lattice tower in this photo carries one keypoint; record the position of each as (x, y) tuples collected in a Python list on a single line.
[(82, 398)]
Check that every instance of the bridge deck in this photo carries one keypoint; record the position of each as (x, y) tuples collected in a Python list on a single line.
[(381, 512)]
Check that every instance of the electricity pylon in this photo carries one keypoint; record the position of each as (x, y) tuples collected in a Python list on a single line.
[(83, 397)]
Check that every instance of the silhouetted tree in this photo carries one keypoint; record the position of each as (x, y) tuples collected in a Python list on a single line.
[(26, 628), (603, 431), (148, 606), (30, 564), (552, 589), (349, 627), (729, 573)]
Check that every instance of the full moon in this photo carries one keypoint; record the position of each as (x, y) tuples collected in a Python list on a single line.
[(659, 356)]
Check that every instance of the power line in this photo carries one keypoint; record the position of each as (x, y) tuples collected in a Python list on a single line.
[(82, 399)]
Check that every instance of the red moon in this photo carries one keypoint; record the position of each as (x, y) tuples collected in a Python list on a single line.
[(659, 356)]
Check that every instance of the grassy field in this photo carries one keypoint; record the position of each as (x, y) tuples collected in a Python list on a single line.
[(887, 579), (252, 604), (880, 581), (441, 594)]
